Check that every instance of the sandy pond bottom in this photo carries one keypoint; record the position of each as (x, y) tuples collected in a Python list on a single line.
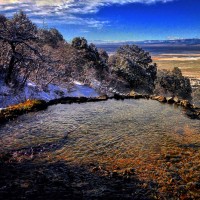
[(132, 149)]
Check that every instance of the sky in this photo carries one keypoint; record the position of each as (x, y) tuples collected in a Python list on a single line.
[(113, 20)]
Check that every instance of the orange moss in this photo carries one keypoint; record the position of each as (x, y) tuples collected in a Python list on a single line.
[(27, 105), (16, 110)]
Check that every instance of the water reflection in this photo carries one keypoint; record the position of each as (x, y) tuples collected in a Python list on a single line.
[(155, 139), (110, 128)]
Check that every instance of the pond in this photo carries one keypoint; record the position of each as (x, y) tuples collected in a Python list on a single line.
[(157, 140)]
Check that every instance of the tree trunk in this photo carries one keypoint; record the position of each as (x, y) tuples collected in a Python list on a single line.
[(11, 66)]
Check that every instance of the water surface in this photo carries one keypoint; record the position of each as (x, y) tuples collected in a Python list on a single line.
[(157, 140), (97, 132)]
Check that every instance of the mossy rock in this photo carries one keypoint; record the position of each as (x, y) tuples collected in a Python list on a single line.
[(12, 112)]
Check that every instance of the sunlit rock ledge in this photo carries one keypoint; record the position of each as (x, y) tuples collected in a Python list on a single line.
[(12, 112)]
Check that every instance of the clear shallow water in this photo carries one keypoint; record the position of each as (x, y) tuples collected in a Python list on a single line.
[(102, 132), (156, 142)]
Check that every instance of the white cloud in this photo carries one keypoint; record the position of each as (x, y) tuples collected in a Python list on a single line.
[(66, 11)]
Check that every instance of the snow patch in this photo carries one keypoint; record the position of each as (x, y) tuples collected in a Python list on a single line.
[(52, 91), (78, 83)]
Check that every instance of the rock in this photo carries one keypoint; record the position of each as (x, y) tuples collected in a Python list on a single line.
[(95, 169), (170, 100), (186, 104), (176, 100), (118, 97), (114, 174), (192, 114), (135, 95), (162, 99), (159, 98), (139, 96), (103, 97), (154, 97), (132, 94), (100, 98)]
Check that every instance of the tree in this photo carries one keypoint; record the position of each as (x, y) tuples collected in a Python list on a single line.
[(177, 72), (50, 37), (103, 55), (135, 66), (21, 54), (79, 43), (173, 83)]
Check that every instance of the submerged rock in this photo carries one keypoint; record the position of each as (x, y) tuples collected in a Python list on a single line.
[(193, 114)]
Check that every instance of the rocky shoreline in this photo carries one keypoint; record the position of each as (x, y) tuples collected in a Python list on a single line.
[(12, 112)]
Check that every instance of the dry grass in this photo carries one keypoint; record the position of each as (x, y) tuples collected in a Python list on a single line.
[(190, 64)]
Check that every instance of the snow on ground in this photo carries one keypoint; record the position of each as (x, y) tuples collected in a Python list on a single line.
[(31, 91)]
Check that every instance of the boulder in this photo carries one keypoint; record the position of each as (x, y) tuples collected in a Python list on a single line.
[(103, 97), (176, 100), (139, 96), (170, 100), (162, 99), (154, 97), (185, 103), (132, 94), (159, 98), (192, 114)]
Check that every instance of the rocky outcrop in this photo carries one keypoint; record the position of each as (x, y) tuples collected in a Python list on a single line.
[(172, 83)]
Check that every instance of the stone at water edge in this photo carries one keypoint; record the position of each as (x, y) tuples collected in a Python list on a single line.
[(159, 98), (176, 100), (192, 114), (103, 97), (132, 94), (186, 104), (162, 99), (170, 100)]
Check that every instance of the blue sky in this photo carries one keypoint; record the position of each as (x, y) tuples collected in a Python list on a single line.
[(113, 20)]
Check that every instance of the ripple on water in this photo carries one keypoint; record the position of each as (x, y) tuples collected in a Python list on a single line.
[(111, 129), (154, 139)]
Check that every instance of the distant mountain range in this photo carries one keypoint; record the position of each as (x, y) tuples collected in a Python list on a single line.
[(195, 41), (172, 42)]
